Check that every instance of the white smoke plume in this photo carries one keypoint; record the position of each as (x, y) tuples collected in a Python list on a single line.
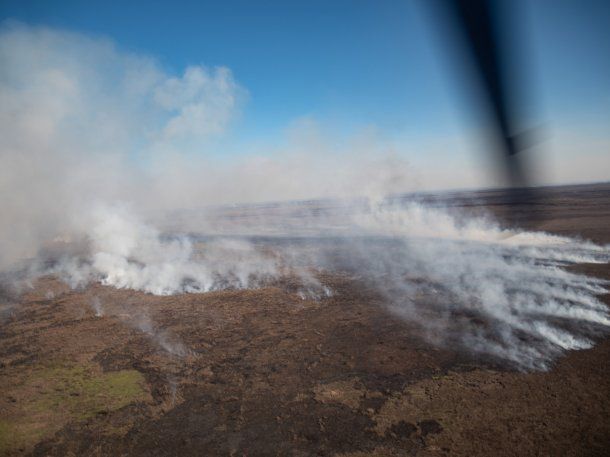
[(470, 283), (125, 253), (76, 114), (98, 309), (84, 124), (107, 161), (495, 291)]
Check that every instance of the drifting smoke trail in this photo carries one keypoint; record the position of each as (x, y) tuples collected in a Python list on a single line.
[(468, 282), (491, 290), (164, 340)]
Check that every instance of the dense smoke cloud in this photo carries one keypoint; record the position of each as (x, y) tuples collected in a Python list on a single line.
[(85, 124), (76, 114), (107, 162)]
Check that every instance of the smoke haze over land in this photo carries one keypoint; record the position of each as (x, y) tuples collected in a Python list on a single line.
[(111, 173)]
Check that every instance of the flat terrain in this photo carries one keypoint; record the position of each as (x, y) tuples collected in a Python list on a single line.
[(101, 371)]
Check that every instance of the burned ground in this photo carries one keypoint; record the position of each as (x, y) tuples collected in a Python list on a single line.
[(101, 371)]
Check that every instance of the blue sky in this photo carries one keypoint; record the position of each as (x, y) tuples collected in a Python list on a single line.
[(350, 64)]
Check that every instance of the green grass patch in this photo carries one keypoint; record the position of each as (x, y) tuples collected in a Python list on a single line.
[(52, 396), (82, 394)]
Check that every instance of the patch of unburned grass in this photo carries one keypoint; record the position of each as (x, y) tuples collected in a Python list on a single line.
[(53, 395)]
